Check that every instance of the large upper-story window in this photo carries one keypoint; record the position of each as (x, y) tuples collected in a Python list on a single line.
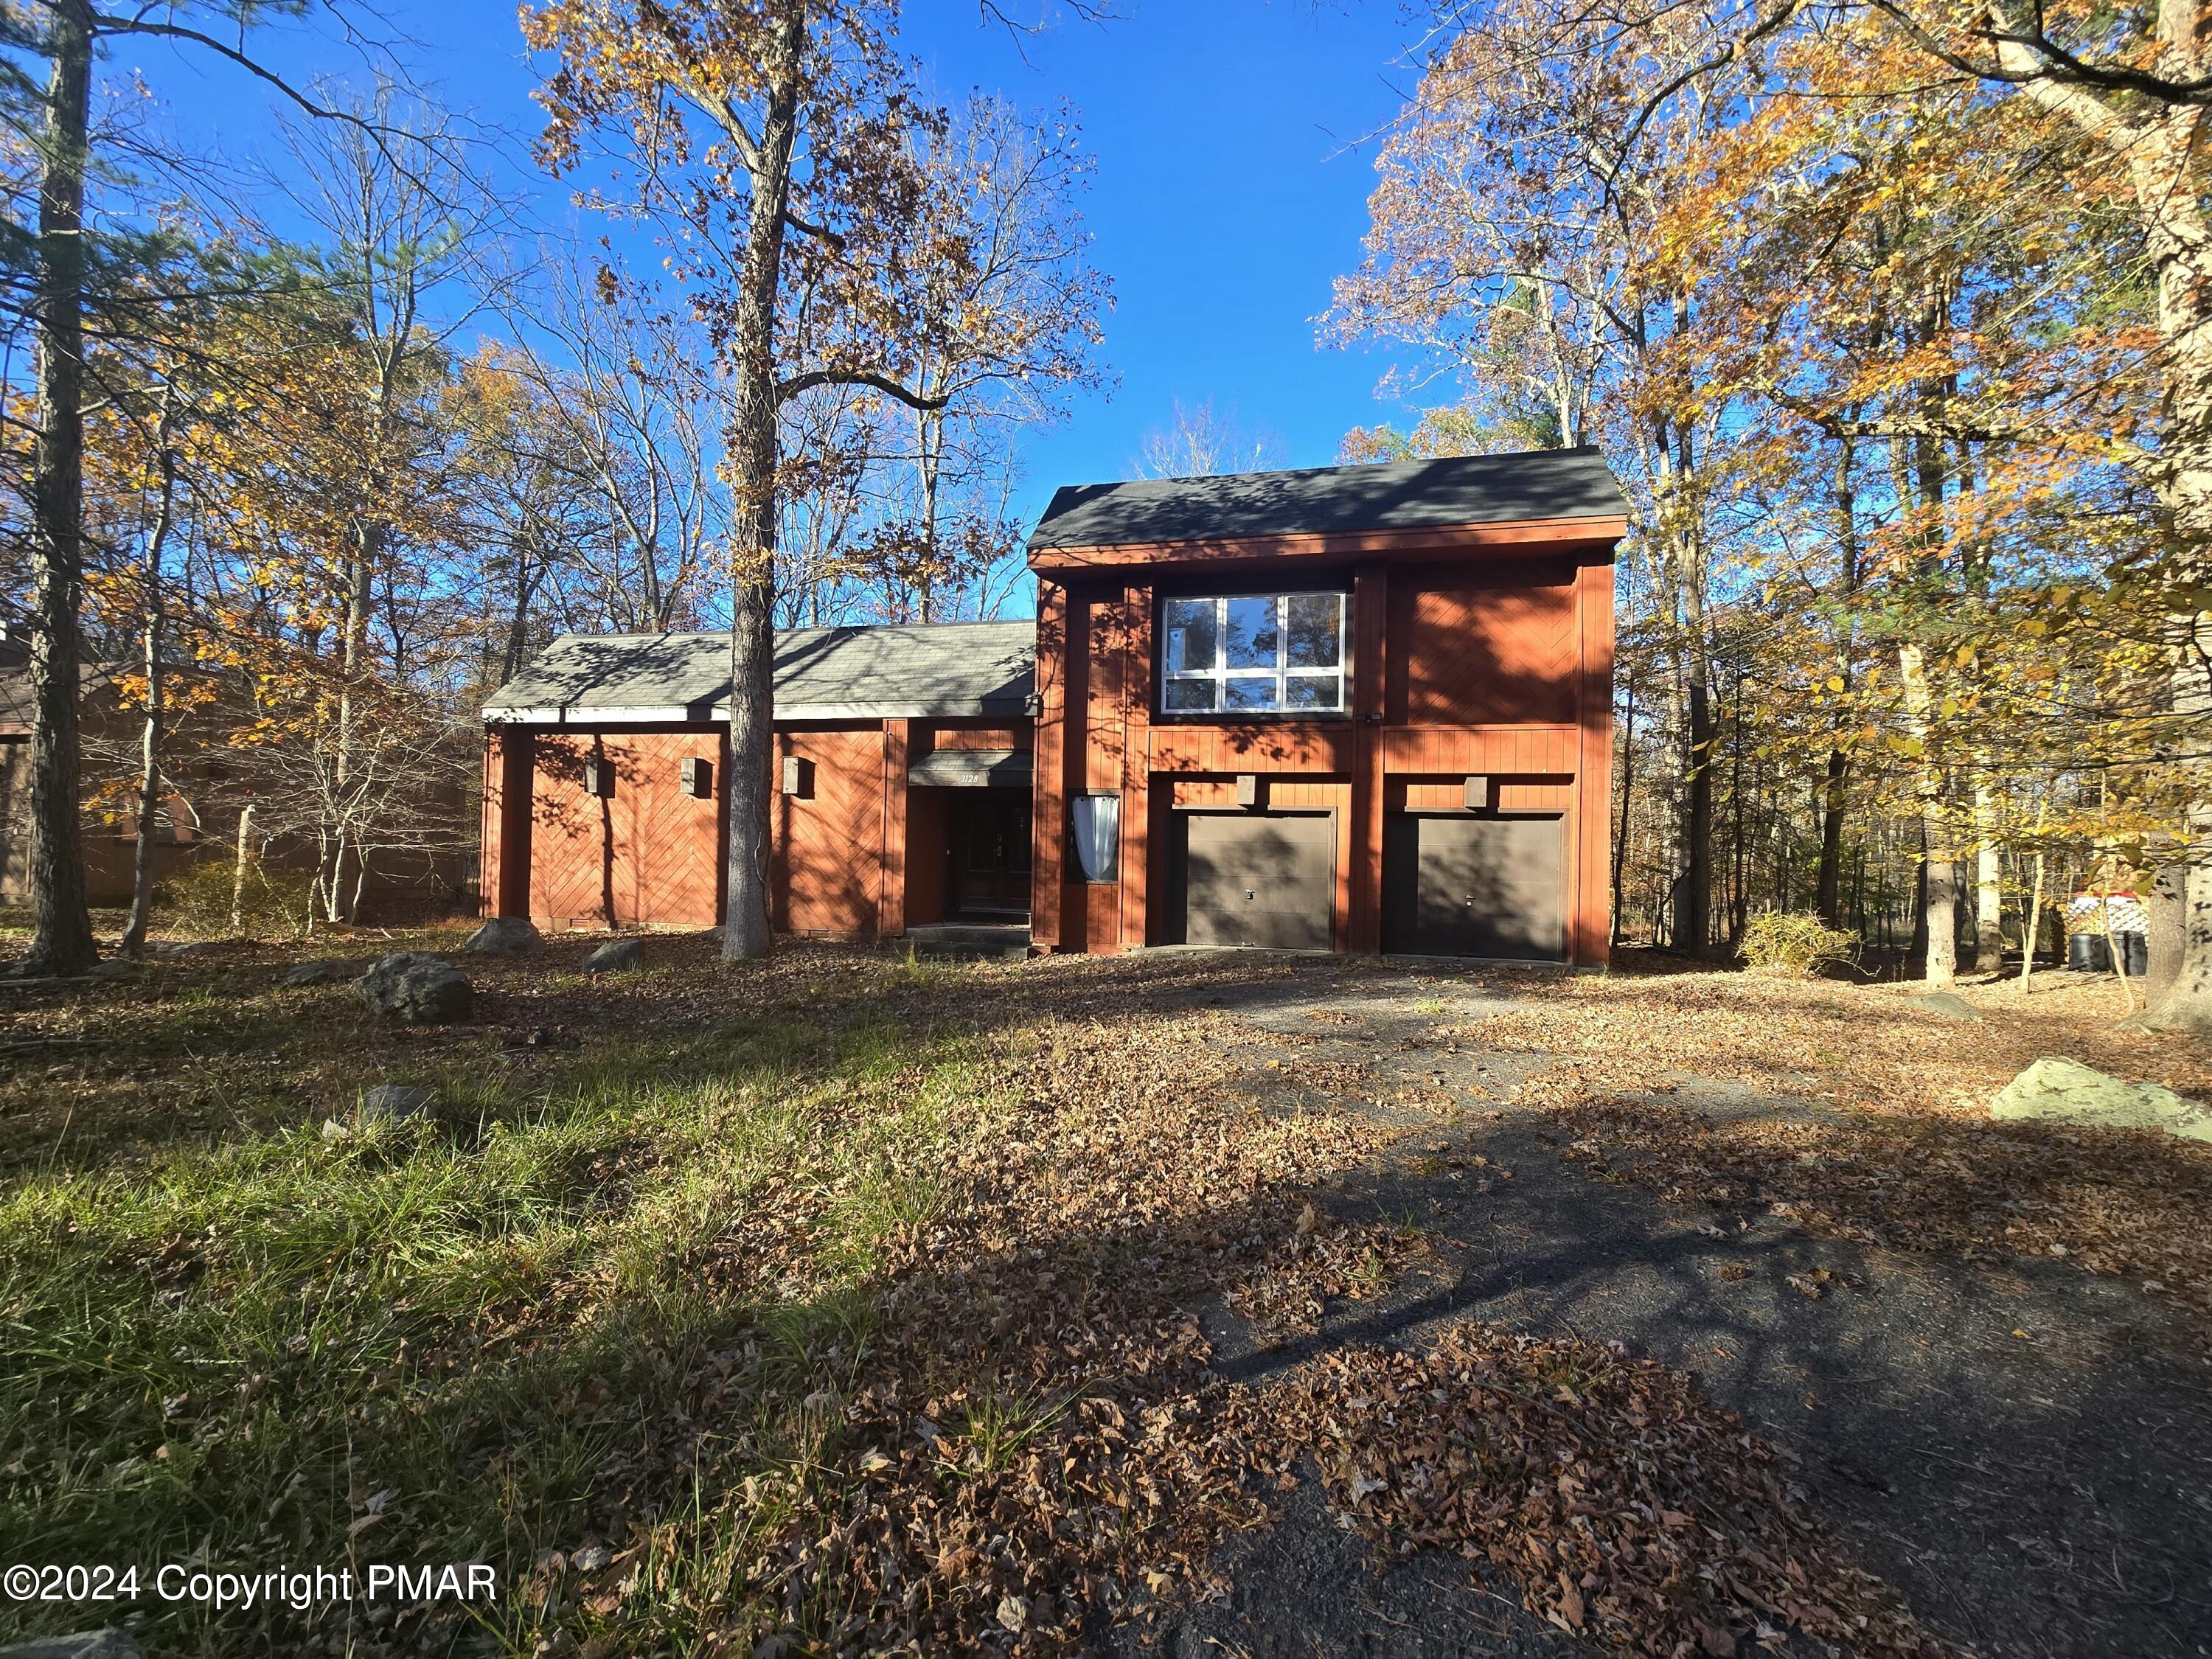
[(1253, 653)]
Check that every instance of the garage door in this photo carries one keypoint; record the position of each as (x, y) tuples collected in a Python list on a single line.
[(1263, 878), (1461, 886)]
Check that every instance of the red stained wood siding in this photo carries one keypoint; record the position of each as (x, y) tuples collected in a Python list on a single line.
[(827, 868), (1500, 647), (970, 737), (509, 753), (1486, 653), (648, 856), (1047, 858)]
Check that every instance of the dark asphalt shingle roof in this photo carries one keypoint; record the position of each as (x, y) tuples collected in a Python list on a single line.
[(1461, 489), (942, 670)]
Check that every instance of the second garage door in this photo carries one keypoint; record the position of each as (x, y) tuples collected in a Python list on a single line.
[(1462, 886), (1261, 878)]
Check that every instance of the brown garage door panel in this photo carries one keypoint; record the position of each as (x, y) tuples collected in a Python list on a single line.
[(1462, 886), (1262, 879)]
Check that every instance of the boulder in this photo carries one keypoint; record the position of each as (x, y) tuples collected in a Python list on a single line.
[(326, 970), (85, 1644), (620, 955), (387, 1103), (505, 936), (1945, 1005), (391, 1102), (2055, 1090), (416, 988)]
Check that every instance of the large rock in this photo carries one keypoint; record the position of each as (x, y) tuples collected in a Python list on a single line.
[(505, 936), (2054, 1091), (416, 988), (1945, 1005), (325, 971), (86, 1644), (620, 955), (387, 1103)]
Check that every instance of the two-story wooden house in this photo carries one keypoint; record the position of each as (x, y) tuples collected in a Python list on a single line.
[(1353, 708)]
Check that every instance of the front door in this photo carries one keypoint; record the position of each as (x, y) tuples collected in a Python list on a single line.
[(990, 852)]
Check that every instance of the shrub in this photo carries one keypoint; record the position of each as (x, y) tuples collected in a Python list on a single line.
[(1793, 946), (197, 900)]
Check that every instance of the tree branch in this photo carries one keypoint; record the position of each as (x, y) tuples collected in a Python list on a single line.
[(814, 378)]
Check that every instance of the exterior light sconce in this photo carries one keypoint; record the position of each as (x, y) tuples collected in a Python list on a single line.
[(1095, 826), (798, 777), (1477, 795), (1248, 789), (600, 778), (698, 774)]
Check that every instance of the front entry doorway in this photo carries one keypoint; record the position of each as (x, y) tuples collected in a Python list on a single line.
[(990, 853)]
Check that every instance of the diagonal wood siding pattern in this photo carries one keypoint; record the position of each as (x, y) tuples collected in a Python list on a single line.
[(649, 856), (828, 863)]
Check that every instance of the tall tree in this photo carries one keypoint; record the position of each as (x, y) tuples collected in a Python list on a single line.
[(50, 49), (776, 146)]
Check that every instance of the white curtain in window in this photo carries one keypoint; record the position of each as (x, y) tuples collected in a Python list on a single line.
[(1098, 834)]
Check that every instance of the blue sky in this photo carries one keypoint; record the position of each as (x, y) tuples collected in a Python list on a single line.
[(1231, 188)]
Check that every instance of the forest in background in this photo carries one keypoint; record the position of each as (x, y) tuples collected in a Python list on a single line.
[(1889, 313), (360, 429), (1891, 318)]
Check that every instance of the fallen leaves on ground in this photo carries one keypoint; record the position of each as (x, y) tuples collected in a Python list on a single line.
[(1911, 1159), (1624, 1505)]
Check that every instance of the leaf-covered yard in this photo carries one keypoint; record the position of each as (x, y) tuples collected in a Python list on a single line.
[(857, 1304)]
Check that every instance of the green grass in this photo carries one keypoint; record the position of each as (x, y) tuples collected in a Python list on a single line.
[(501, 1315)]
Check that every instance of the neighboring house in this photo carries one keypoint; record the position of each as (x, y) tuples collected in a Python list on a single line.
[(1352, 708), (199, 813)]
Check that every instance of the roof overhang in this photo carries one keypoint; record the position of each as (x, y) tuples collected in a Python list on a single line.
[(680, 713), (973, 768), (1551, 535)]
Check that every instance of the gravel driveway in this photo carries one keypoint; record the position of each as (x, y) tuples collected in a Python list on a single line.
[(2022, 1450)]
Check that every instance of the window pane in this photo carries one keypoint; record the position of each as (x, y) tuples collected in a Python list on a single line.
[(1183, 696), (1313, 629), (1314, 691), (1191, 637), (1252, 694), (1252, 632)]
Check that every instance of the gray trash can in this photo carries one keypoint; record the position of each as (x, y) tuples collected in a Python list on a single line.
[(2085, 953)]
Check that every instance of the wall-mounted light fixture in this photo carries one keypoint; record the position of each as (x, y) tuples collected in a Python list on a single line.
[(600, 778), (1094, 822), (1248, 789), (1477, 795), (698, 774), (798, 777)]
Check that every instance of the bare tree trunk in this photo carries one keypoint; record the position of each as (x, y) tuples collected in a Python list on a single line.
[(1940, 872), (61, 941), (1988, 876), (1697, 896), (237, 876), (745, 932), (1628, 794), (1827, 885), (150, 763), (2034, 924)]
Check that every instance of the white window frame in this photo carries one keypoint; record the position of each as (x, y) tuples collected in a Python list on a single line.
[(1281, 674)]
